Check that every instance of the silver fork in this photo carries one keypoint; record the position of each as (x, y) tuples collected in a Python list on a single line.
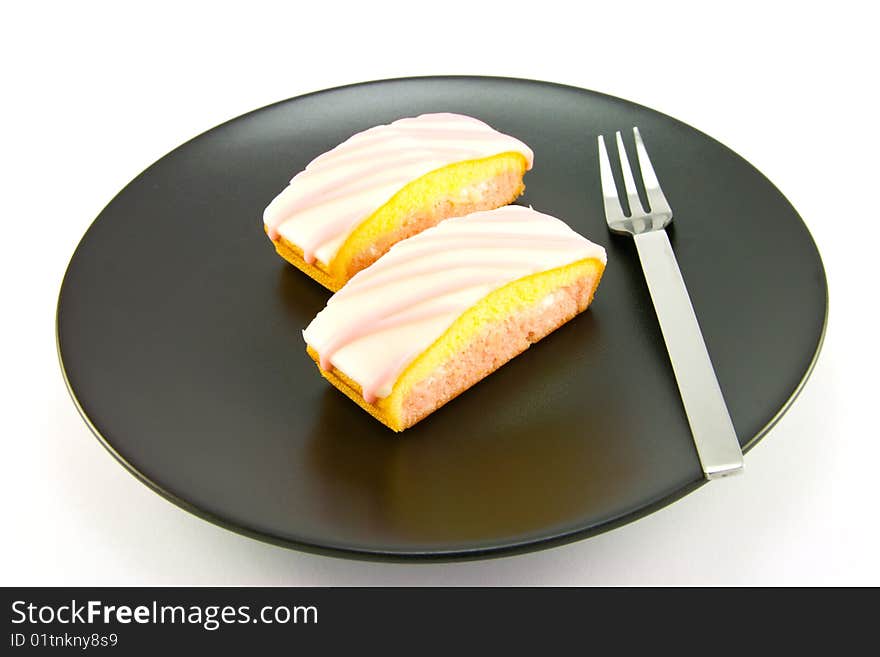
[(711, 427)]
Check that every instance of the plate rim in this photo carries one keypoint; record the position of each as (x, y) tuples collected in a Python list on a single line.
[(339, 550)]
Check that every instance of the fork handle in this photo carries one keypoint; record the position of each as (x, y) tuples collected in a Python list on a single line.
[(707, 414)]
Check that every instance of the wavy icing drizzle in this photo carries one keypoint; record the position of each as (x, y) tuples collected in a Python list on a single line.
[(326, 201), (392, 311)]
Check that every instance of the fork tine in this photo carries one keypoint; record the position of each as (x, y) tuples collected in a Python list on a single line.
[(613, 209), (656, 199), (632, 195)]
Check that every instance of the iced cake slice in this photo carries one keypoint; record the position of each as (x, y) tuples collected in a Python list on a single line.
[(351, 204), (448, 307)]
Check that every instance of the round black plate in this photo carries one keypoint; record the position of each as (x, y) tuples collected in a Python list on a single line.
[(179, 335)]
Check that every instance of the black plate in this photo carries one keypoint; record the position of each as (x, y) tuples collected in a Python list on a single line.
[(179, 335)]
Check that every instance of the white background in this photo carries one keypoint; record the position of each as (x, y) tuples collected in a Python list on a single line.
[(94, 93)]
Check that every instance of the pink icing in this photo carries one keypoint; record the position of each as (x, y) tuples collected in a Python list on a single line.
[(391, 372), (338, 188), (328, 229), (390, 276), (384, 316), (418, 250)]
